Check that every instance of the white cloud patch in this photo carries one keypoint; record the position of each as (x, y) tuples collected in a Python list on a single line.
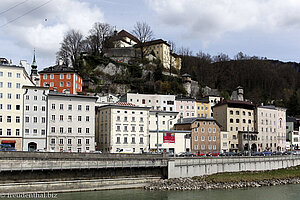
[(210, 19), (45, 27)]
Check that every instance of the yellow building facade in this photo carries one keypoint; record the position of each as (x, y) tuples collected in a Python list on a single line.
[(202, 108)]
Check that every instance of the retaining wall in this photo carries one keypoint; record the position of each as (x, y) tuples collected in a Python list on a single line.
[(198, 167)]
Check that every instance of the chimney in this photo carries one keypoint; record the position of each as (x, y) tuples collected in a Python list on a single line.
[(60, 62)]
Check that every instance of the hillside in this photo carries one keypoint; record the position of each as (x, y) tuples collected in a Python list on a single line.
[(264, 81)]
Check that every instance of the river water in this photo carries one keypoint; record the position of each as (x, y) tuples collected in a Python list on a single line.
[(284, 192)]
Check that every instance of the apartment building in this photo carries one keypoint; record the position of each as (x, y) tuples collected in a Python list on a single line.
[(203, 108), (12, 79), (186, 106), (122, 126), (71, 122), (35, 118), (237, 118), (61, 78), (292, 133), (205, 134), (154, 101), (271, 123), (213, 100)]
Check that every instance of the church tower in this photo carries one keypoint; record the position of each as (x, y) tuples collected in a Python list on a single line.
[(34, 72)]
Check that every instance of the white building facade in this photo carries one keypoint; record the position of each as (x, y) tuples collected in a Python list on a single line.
[(12, 79), (71, 123), (155, 101), (35, 118), (186, 107), (122, 126)]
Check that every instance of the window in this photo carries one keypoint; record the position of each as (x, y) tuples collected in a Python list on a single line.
[(18, 85), (231, 120), (9, 74), (237, 112), (87, 130), (79, 118), (1, 95), (249, 113), (9, 96), (51, 84), (132, 140), (8, 131), (87, 141), (34, 108), (8, 106), (237, 121), (69, 107), (141, 129), (61, 118), (61, 106), (118, 140), (1, 84), (196, 138), (53, 106), (27, 119), (51, 76), (61, 141), (202, 138), (87, 108), (35, 120), (214, 130), (0, 118), (125, 140), (214, 138), (17, 119), (61, 76), (53, 117), (125, 119), (118, 128), (87, 118), (141, 140), (209, 138), (249, 121), (1, 73), (45, 76), (43, 108), (69, 141), (69, 130), (52, 129), (231, 112), (8, 119), (209, 130), (79, 107), (68, 76), (79, 130), (68, 84), (43, 132), (18, 96), (61, 84)]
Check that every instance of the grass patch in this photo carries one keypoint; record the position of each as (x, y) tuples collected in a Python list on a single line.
[(293, 172)]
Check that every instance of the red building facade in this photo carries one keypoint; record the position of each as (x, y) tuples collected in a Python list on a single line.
[(62, 79)]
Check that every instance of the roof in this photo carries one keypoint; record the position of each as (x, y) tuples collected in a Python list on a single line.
[(186, 75), (124, 105), (162, 111), (183, 98), (236, 104), (153, 42), (53, 93), (122, 34), (203, 100), (268, 107), (192, 120), (58, 69)]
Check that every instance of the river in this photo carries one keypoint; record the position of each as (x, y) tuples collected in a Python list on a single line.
[(283, 192)]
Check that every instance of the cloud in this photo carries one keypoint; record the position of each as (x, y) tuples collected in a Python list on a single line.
[(210, 19), (45, 27)]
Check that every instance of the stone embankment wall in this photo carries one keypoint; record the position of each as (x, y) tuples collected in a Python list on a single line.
[(198, 167)]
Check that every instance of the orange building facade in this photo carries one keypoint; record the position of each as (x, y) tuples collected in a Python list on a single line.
[(62, 79)]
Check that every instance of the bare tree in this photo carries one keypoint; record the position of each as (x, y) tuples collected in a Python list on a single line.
[(71, 47), (221, 57), (185, 51), (142, 31), (172, 46), (97, 37)]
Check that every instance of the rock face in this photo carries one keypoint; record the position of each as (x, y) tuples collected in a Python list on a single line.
[(111, 69), (201, 184)]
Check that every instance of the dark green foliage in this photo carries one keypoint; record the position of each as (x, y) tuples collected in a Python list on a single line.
[(264, 81)]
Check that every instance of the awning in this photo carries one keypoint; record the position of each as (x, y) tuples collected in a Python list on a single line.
[(8, 141)]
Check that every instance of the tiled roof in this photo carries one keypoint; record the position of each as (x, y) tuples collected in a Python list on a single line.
[(153, 42), (58, 69), (124, 104)]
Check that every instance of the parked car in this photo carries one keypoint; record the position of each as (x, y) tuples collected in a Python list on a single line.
[(296, 153), (277, 153), (185, 154), (256, 154), (229, 154), (199, 154), (7, 147), (287, 153), (266, 153)]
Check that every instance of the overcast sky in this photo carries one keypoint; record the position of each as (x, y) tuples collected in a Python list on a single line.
[(266, 28)]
